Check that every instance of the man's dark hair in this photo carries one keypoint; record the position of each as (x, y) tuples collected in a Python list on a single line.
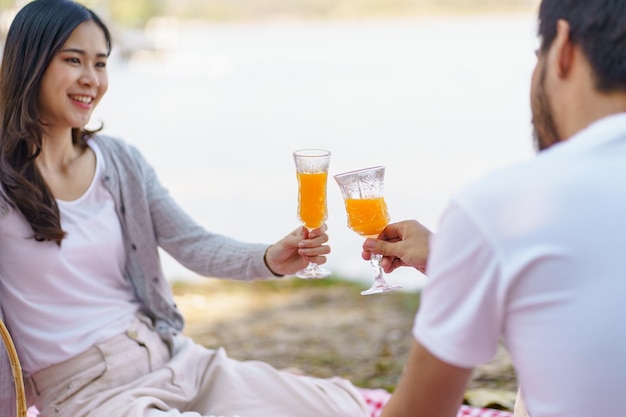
[(599, 28)]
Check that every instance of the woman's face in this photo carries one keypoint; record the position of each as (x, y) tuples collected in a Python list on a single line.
[(75, 80)]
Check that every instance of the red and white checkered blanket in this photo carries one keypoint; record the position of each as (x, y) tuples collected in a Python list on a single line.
[(376, 399)]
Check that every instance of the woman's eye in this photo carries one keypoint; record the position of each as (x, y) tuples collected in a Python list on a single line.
[(101, 65), (73, 60)]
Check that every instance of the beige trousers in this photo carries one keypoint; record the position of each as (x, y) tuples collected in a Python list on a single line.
[(133, 375)]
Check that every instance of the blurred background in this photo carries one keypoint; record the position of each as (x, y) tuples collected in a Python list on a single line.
[(219, 93)]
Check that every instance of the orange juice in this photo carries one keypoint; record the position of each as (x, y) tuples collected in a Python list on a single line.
[(312, 198), (368, 216)]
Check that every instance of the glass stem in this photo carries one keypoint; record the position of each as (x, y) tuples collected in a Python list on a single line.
[(378, 270), (311, 267)]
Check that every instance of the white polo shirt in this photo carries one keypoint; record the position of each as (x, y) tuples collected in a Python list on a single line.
[(536, 254)]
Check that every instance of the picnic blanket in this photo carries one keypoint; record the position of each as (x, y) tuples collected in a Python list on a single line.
[(377, 398)]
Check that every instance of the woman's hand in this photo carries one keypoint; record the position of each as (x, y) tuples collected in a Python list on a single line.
[(297, 249), (401, 244)]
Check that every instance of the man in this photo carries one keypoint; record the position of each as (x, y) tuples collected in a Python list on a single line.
[(534, 254)]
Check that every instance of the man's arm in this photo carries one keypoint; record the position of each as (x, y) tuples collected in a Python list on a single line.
[(429, 387)]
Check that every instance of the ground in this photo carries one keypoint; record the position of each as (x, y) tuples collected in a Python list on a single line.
[(324, 328)]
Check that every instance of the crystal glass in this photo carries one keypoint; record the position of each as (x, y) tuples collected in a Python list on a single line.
[(312, 173), (366, 208)]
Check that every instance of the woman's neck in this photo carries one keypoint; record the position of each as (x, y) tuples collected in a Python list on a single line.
[(57, 151)]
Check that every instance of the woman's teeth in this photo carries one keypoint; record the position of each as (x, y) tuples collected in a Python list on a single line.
[(82, 99)]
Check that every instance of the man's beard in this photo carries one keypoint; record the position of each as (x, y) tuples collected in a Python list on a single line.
[(545, 133)]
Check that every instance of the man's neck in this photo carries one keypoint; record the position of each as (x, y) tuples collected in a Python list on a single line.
[(596, 107)]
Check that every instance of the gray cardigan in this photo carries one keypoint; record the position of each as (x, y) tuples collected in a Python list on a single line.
[(151, 219)]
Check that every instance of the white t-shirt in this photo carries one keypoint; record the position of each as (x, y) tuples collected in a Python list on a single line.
[(59, 301), (536, 254)]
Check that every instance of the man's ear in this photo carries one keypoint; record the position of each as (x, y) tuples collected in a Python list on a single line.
[(563, 49)]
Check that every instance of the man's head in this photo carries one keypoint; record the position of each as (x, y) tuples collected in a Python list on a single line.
[(597, 30)]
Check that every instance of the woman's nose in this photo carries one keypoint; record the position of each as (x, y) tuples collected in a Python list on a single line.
[(89, 77)]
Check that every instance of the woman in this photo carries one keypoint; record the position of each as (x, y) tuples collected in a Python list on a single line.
[(82, 217)]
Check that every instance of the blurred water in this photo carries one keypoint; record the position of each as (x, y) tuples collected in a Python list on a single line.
[(438, 101)]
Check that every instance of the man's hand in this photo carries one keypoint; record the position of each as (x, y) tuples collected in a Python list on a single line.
[(401, 244)]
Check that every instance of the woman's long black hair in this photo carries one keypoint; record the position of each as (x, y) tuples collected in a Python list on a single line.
[(36, 34)]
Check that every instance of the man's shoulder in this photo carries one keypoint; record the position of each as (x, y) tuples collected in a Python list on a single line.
[(501, 182)]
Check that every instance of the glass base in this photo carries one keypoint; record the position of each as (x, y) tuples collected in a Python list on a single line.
[(313, 271), (378, 288)]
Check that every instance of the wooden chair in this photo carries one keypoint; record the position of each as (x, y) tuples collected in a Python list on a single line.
[(20, 395)]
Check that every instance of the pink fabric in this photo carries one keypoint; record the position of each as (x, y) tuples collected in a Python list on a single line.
[(467, 411), (377, 398)]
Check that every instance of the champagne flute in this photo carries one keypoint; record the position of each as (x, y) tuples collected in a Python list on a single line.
[(366, 208), (312, 174)]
